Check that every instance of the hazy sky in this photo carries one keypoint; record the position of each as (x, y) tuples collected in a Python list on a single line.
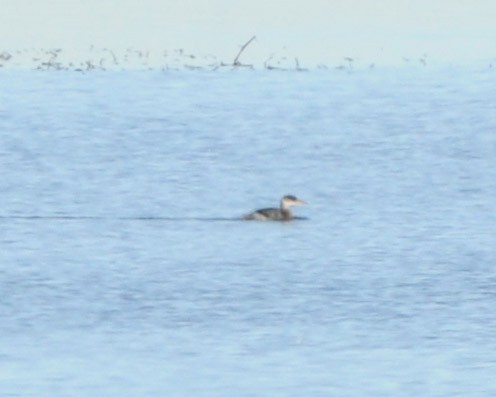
[(313, 30)]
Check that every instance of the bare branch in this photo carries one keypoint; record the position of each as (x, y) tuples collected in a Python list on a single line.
[(243, 47), (298, 67)]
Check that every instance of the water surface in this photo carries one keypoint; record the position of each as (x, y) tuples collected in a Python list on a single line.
[(125, 270)]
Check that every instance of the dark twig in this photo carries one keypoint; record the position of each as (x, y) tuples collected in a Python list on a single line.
[(243, 47), (298, 67)]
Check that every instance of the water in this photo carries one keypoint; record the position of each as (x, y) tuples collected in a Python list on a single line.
[(124, 269)]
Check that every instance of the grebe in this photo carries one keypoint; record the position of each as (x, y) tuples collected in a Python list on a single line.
[(276, 214)]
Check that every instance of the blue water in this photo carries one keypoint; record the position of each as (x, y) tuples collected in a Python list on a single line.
[(125, 270)]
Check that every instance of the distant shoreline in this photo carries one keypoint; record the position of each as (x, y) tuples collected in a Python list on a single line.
[(103, 59)]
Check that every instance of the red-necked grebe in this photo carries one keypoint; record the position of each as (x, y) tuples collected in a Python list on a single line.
[(276, 214)]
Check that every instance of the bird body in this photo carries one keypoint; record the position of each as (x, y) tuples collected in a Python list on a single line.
[(283, 213)]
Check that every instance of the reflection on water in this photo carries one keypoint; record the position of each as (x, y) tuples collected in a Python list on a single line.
[(124, 269)]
